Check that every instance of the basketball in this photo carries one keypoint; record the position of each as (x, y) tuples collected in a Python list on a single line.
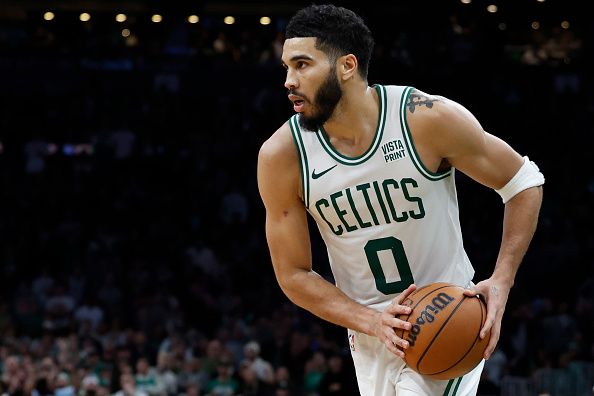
[(444, 340)]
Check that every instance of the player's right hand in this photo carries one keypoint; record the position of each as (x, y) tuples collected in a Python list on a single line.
[(387, 323)]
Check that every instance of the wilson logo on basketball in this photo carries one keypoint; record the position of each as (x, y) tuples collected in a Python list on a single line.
[(438, 303)]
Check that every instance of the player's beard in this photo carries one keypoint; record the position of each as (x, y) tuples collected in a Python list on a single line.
[(324, 103)]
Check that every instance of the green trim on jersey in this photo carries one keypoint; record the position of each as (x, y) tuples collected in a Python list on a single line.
[(450, 383), (447, 389), (379, 131), (411, 146), (456, 387), (296, 132)]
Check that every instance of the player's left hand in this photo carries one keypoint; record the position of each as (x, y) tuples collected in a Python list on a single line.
[(495, 294)]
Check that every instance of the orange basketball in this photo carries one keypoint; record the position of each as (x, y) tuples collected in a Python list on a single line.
[(444, 339)]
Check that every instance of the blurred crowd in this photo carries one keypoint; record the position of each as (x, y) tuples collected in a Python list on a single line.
[(132, 248)]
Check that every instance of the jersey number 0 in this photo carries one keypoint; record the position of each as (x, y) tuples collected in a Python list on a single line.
[(395, 246)]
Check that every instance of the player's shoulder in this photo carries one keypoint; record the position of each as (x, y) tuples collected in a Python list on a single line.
[(279, 147), (418, 104), (279, 174), (279, 142), (433, 110), (441, 125)]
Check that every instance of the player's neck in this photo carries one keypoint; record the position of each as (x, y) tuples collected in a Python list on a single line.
[(356, 115)]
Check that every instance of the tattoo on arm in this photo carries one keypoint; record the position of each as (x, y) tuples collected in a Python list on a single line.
[(417, 99), (495, 291)]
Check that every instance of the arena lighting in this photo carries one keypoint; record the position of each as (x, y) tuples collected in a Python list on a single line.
[(121, 18), (229, 20), (48, 16), (125, 32), (466, 1), (541, 1), (71, 149), (85, 17), (492, 8), (535, 25), (265, 20), (156, 18), (565, 25), (193, 19)]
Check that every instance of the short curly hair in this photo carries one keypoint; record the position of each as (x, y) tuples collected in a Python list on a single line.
[(338, 31)]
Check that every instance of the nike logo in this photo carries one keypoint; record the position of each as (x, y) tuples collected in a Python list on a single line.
[(315, 175)]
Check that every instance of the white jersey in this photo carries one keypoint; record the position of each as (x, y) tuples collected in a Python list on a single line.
[(387, 220)]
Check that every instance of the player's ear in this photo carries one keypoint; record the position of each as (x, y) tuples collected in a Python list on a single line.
[(348, 65)]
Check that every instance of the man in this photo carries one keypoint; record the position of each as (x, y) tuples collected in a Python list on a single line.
[(374, 166), (128, 387), (261, 367)]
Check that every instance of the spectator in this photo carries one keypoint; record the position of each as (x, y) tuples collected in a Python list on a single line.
[(41, 285), (336, 381), (128, 387), (315, 369), (147, 379), (58, 310), (283, 381), (192, 390), (223, 384), (250, 384), (191, 375), (261, 367), (90, 312), (495, 367), (64, 386), (165, 374), (89, 385), (209, 362)]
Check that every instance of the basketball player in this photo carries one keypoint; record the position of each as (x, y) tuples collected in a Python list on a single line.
[(374, 166)]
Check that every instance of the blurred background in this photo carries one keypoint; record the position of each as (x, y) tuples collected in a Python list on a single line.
[(133, 259)]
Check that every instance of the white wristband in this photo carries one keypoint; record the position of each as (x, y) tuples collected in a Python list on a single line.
[(527, 176)]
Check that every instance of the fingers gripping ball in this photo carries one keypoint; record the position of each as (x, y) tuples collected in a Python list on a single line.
[(444, 339)]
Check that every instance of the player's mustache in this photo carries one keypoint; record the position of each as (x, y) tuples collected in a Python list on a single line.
[(296, 93)]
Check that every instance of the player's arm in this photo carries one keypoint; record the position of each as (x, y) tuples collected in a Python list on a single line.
[(279, 182), (451, 136)]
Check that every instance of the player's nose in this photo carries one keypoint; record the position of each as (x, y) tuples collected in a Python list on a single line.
[(291, 82)]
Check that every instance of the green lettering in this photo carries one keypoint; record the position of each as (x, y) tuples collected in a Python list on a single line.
[(385, 184), (339, 212), (363, 188), (321, 202), (362, 224), (415, 215), (381, 202)]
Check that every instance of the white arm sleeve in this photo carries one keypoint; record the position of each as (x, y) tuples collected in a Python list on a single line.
[(527, 176)]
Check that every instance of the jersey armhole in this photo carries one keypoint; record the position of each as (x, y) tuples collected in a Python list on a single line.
[(410, 146), (301, 153)]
